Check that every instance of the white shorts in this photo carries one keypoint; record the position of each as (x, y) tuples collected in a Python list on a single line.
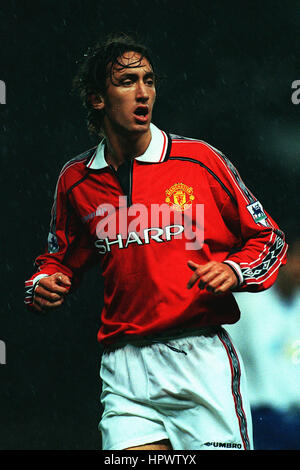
[(194, 395)]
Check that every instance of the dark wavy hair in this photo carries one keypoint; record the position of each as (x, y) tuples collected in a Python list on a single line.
[(96, 66)]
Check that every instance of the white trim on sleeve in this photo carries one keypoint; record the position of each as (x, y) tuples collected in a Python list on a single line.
[(237, 269)]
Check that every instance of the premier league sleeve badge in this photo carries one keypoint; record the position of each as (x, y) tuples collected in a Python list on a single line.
[(258, 214)]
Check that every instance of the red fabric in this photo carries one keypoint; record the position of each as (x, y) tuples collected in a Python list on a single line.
[(145, 283)]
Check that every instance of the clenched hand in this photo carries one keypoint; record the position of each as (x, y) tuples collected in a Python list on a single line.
[(51, 291)]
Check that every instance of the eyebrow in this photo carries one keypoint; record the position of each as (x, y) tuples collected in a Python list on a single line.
[(116, 81), (149, 74)]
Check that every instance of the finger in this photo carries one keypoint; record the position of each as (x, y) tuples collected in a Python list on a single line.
[(45, 304), (221, 289), (46, 294), (193, 265), (206, 279), (200, 270), (214, 280), (62, 279), (51, 285), (193, 279), (204, 274)]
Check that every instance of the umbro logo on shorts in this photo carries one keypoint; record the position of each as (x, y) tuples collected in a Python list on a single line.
[(226, 445)]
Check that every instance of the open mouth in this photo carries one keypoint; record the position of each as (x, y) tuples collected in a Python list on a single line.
[(141, 113)]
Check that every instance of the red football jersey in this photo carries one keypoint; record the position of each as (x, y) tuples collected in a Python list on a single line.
[(181, 200)]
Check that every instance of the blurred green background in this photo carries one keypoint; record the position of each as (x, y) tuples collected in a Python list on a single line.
[(229, 69)]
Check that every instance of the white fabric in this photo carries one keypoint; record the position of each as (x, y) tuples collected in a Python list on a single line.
[(153, 393), (38, 277), (237, 268), (268, 337), (154, 153)]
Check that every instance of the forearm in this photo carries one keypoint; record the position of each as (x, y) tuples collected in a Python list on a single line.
[(259, 260)]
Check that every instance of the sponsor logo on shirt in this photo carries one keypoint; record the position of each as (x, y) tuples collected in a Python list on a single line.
[(156, 234)]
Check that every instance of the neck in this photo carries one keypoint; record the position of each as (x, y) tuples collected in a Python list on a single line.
[(122, 147)]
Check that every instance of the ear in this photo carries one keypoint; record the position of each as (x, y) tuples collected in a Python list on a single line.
[(97, 101)]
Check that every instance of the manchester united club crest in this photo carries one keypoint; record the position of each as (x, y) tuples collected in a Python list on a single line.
[(179, 196)]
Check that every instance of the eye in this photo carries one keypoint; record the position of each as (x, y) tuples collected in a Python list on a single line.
[(126, 82), (149, 81)]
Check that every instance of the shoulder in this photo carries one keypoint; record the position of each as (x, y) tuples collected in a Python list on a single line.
[(194, 149), (208, 156), (75, 168)]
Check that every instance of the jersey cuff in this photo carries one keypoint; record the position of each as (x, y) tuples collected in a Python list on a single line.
[(30, 286), (236, 269), (38, 277)]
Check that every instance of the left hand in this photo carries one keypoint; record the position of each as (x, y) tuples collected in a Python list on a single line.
[(213, 276)]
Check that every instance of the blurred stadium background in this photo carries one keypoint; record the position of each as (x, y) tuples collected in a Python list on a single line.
[(229, 68)]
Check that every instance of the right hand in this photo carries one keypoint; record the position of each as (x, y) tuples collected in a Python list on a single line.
[(50, 292)]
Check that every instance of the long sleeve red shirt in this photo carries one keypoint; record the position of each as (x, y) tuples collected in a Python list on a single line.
[(112, 217)]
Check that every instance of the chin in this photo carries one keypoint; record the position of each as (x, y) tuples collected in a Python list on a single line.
[(139, 128), (132, 128)]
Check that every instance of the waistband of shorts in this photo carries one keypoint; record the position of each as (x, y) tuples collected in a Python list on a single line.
[(163, 337)]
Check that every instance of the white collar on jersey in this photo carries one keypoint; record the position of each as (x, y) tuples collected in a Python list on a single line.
[(155, 153)]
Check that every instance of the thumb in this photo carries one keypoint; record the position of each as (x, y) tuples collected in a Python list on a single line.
[(62, 279)]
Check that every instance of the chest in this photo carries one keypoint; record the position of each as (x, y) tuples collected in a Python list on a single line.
[(140, 196)]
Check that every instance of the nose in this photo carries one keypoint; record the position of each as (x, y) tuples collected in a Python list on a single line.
[(142, 93)]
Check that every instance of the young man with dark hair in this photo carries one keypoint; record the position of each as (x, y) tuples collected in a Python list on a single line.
[(171, 376)]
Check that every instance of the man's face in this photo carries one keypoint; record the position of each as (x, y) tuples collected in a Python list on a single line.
[(130, 95)]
